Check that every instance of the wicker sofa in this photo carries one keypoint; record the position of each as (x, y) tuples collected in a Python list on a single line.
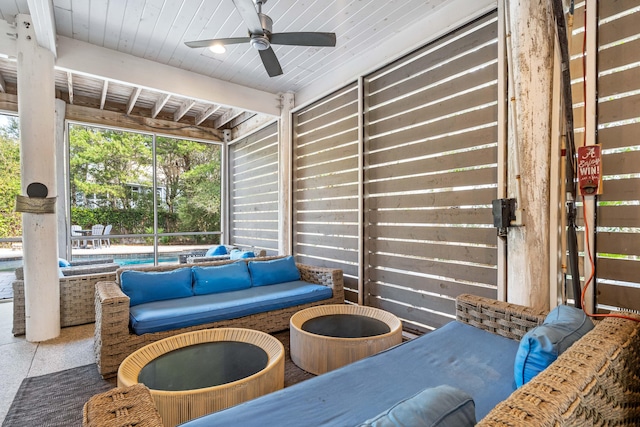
[(114, 339), (595, 382), (77, 294)]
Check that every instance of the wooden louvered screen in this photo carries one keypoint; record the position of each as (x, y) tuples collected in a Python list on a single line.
[(618, 208), (253, 191), (325, 185), (430, 176)]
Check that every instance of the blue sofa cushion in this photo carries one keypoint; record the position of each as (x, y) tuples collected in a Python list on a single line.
[(459, 355), (238, 254), (147, 286), (542, 345), (63, 263), (181, 313), (216, 250), (279, 270), (442, 406), (220, 278)]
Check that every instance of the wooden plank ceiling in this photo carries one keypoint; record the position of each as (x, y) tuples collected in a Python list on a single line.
[(156, 30)]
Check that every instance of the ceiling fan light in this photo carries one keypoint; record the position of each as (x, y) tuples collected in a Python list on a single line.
[(217, 48), (260, 42)]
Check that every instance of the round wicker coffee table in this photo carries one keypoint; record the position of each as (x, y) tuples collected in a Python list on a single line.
[(327, 337), (197, 373)]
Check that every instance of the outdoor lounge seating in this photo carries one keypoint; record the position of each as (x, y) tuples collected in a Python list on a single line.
[(594, 382), (267, 308), (77, 296)]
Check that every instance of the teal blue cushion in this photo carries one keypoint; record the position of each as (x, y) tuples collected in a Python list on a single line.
[(442, 406), (216, 250), (279, 270), (147, 286), (542, 345), (63, 263), (221, 278), (238, 254)]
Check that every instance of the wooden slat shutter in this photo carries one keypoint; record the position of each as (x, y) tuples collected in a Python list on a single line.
[(430, 176), (325, 185), (253, 192)]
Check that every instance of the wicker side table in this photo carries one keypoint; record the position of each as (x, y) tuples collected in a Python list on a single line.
[(122, 406)]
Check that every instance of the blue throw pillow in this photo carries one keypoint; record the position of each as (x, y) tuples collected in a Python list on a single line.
[(216, 250), (221, 278), (542, 345), (63, 263), (148, 286), (279, 270), (442, 406), (238, 254)]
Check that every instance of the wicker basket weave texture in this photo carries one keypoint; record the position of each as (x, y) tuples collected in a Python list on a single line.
[(113, 340), (77, 295), (120, 407)]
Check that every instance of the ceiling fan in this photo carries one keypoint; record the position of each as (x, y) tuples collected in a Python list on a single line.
[(261, 38)]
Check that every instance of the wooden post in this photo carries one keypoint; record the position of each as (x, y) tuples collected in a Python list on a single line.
[(36, 110), (285, 244), (530, 28)]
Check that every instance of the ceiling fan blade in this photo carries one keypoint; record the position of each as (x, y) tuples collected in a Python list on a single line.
[(304, 39), (247, 10), (211, 42), (270, 61)]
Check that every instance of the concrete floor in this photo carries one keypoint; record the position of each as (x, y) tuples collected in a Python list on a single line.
[(20, 359)]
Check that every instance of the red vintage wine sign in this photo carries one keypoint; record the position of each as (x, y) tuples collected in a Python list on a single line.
[(589, 170)]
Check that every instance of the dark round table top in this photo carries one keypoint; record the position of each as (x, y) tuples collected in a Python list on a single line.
[(203, 365), (345, 326)]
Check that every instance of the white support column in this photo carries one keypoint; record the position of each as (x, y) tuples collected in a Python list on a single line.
[(285, 134), (62, 179), (36, 109), (530, 28)]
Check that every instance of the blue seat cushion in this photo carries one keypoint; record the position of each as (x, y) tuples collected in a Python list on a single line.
[(462, 356), (442, 406), (147, 286), (220, 278), (63, 263), (542, 345), (216, 250), (183, 312), (279, 270), (238, 254)]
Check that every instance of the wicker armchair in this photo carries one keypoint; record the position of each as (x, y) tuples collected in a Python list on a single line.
[(596, 382), (199, 259), (77, 295), (84, 266), (113, 340)]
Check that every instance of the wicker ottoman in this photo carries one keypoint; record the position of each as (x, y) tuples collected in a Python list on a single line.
[(123, 406)]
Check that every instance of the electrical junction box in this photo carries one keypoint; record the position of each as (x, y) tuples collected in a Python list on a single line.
[(503, 213)]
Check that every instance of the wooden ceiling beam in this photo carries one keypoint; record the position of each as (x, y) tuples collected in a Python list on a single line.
[(206, 113), (70, 86), (133, 98), (3, 84), (159, 105), (103, 96), (227, 117), (145, 124), (183, 109)]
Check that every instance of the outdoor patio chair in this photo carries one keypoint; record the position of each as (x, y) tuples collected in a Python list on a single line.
[(96, 234), (75, 232), (106, 240)]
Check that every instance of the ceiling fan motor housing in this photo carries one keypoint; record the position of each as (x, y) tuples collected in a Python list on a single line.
[(259, 41)]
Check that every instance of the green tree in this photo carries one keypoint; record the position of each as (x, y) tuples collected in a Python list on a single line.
[(106, 163), (10, 221)]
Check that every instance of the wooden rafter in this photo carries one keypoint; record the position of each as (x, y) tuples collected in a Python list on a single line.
[(227, 117), (206, 113), (3, 84), (183, 109), (70, 86), (103, 97), (133, 98), (159, 105)]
